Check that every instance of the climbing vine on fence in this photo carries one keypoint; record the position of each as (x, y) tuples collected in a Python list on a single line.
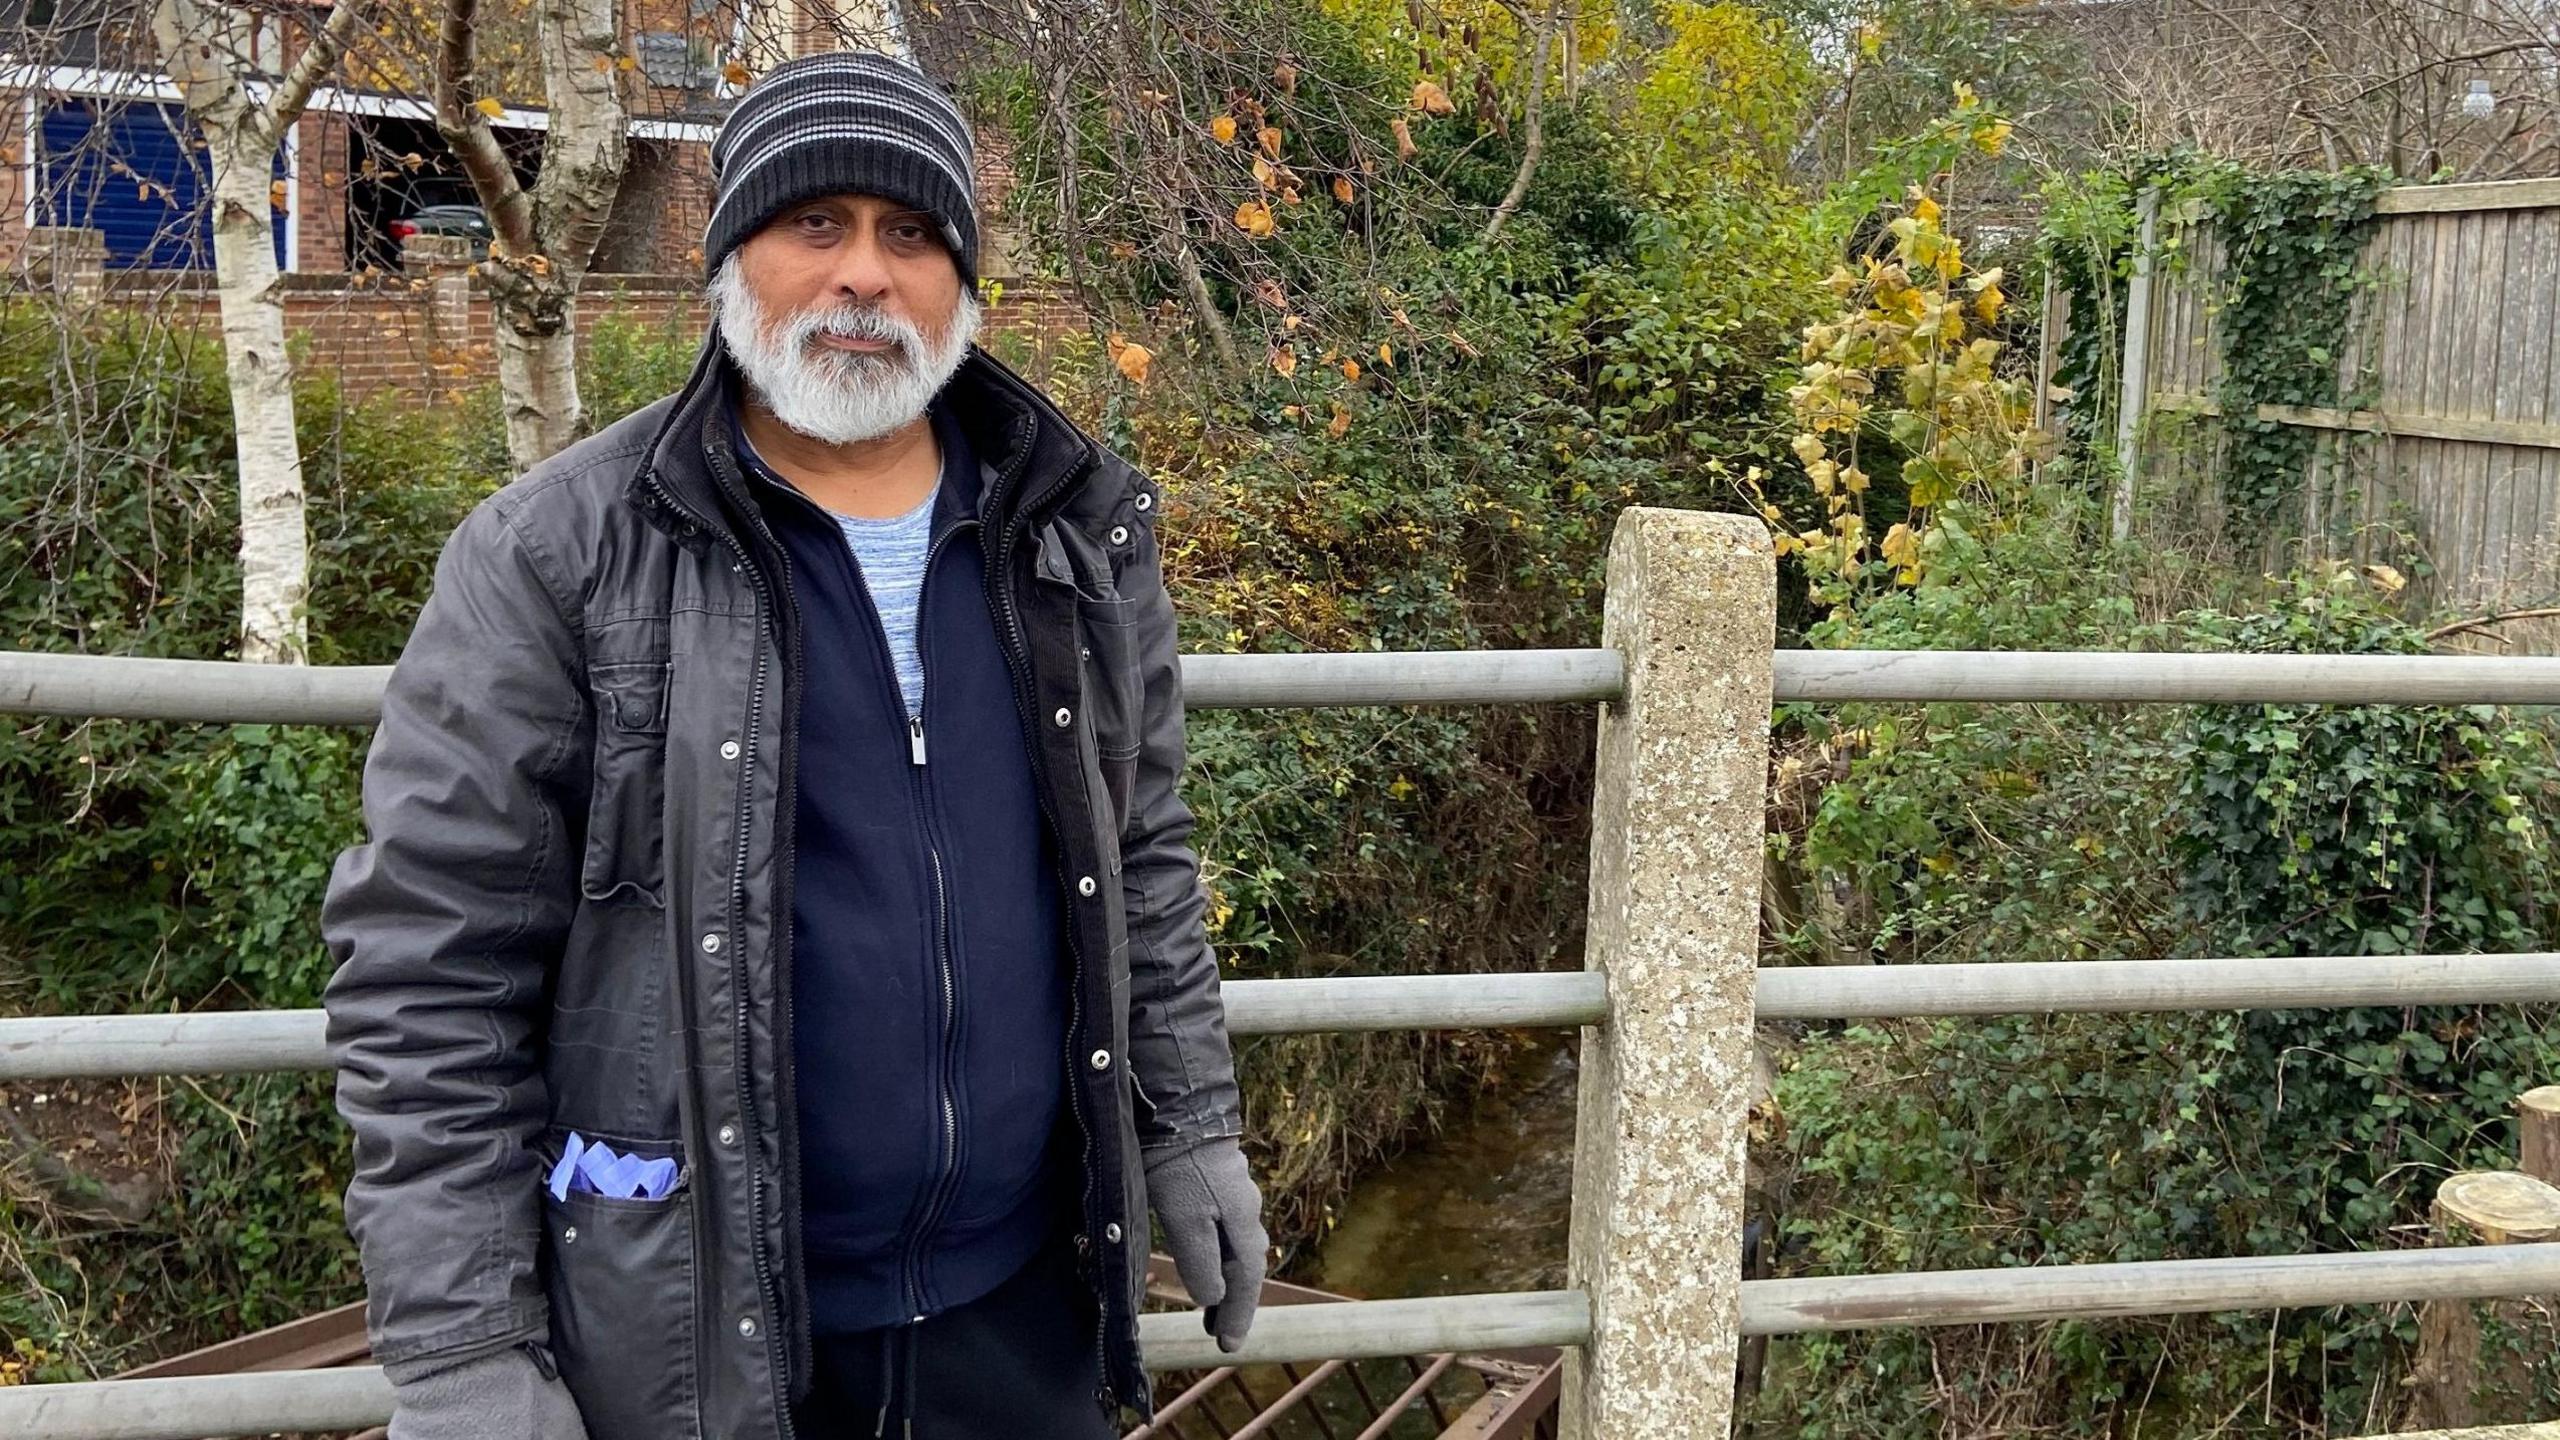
[(2290, 243)]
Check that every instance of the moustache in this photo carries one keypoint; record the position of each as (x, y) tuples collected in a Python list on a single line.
[(863, 324)]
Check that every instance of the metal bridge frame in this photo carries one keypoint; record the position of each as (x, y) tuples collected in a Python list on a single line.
[(1656, 1308)]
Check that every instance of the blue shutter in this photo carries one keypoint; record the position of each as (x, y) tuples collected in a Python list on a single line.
[(135, 171)]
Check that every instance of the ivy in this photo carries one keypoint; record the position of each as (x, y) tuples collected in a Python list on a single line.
[(2290, 241)]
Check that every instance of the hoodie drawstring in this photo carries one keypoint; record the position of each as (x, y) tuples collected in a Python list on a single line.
[(889, 1392)]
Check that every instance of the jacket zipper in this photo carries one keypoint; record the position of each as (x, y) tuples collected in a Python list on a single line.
[(1017, 652), (775, 1354)]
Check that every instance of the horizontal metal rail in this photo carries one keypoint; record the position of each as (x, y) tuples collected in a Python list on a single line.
[(226, 692), (225, 1042), (2098, 987), (215, 691), (2148, 1287), (243, 1041), (262, 1402), (2089, 677)]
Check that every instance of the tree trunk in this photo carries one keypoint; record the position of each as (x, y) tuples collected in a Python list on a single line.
[(543, 241), (207, 51), (538, 381), (275, 563)]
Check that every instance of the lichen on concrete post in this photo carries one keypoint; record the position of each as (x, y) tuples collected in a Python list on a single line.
[(1677, 821)]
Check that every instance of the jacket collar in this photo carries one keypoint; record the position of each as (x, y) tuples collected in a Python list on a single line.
[(1028, 447)]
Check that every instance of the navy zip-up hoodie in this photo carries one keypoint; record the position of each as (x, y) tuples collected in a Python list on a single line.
[(929, 986)]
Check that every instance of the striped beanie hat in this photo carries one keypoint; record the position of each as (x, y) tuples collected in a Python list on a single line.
[(847, 122)]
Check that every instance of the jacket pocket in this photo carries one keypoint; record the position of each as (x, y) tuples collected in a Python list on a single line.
[(622, 1293), (626, 829), (1115, 689)]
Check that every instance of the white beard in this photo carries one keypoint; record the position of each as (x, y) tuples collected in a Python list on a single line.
[(840, 396)]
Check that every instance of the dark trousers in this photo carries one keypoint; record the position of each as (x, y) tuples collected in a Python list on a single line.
[(1017, 1363)]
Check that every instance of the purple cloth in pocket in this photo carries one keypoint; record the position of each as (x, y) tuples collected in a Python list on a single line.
[(592, 1166)]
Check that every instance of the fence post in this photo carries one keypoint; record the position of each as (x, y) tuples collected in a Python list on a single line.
[(1676, 827), (2134, 376), (2538, 1133)]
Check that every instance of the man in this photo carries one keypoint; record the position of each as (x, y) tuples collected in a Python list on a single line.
[(777, 983)]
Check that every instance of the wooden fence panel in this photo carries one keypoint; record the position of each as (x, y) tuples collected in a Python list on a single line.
[(2447, 438)]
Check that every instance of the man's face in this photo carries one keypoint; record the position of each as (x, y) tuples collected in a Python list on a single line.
[(846, 314)]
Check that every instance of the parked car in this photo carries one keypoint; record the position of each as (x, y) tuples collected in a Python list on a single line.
[(468, 221)]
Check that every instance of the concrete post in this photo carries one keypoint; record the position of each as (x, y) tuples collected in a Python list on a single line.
[(1674, 925)]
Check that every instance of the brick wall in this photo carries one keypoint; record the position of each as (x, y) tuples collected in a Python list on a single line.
[(426, 340)]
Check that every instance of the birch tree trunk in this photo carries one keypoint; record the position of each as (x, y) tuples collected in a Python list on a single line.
[(206, 49), (544, 238)]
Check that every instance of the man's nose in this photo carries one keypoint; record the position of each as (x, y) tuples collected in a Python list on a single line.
[(862, 268)]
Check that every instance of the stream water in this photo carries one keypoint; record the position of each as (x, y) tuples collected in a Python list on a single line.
[(1481, 1206)]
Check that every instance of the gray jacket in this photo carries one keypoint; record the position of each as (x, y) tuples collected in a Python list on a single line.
[(572, 911)]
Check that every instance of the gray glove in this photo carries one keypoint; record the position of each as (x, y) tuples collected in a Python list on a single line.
[(509, 1394), (1212, 1217)]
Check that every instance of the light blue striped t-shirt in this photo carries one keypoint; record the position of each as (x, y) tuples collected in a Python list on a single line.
[(891, 555)]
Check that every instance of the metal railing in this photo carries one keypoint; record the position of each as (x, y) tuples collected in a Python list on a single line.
[(1668, 709)]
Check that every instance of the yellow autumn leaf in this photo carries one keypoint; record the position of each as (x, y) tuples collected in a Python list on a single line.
[(1808, 448), (1284, 359), (1291, 322), (1430, 99), (1264, 175), (1341, 423), (2386, 579), (1132, 359), (1993, 138), (1854, 480), (734, 73), (1404, 139), (1902, 550), (489, 107), (1965, 98), (1386, 353), (1924, 209), (1988, 303), (1342, 190), (1254, 218), (1270, 138), (1224, 128)]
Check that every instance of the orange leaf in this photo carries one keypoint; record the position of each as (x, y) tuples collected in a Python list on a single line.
[(1284, 358), (1224, 127), (1263, 174), (1290, 322), (1341, 425), (1404, 139), (1342, 189), (1350, 369), (734, 73), (1254, 218), (1268, 291), (1270, 137), (1132, 359), (1430, 99), (276, 195)]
